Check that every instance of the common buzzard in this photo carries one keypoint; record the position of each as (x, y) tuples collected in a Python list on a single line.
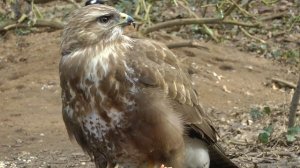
[(128, 102)]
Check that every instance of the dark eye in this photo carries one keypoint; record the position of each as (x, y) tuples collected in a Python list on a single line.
[(104, 19)]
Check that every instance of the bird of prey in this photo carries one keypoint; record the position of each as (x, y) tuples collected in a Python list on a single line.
[(128, 102)]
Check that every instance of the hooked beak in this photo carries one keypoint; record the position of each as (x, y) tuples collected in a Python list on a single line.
[(126, 20)]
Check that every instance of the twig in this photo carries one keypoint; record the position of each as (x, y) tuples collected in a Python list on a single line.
[(230, 9), (37, 13), (179, 22), (250, 36), (42, 1), (246, 4), (137, 10), (269, 2), (205, 9), (274, 16), (203, 21), (243, 10), (147, 15), (208, 5), (144, 4), (39, 23), (188, 9), (238, 143), (74, 3), (276, 34), (284, 82), (48, 23), (175, 2), (233, 22), (297, 19), (206, 28), (190, 43), (294, 104), (22, 18)]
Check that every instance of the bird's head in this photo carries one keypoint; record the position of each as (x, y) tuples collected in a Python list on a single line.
[(94, 24)]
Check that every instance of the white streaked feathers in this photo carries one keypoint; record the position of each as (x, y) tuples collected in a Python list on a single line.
[(116, 32), (94, 125), (99, 59), (116, 117), (128, 75), (69, 111)]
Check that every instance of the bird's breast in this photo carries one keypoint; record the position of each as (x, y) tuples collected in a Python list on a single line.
[(102, 89), (108, 102)]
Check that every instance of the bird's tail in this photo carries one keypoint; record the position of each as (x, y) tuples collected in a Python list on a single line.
[(218, 159)]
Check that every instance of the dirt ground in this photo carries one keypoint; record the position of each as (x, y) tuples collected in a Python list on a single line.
[(229, 82)]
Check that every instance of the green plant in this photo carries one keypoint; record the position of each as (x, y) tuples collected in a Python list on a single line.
[(291, 133), (264, 136), (257, 112), (291, 56)]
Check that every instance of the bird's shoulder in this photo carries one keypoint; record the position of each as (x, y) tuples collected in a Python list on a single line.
[(155, 65)]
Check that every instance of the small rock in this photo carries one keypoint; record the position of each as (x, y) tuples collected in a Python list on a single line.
[(19, 141)]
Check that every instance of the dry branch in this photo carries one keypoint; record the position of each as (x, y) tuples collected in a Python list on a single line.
[(284, 82), (190, 43), (274, 16), (246, 4), (42, 1), (39, 23), (46, 1), (188, 21), (231, 8), (180, 22), (74, 3), (206, 28), (280, 33), (250, 36), (232, 22), (242, 10)]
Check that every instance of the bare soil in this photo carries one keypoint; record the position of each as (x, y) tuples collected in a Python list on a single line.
[(229, 82)]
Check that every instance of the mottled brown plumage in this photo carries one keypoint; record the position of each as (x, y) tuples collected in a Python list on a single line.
[(128, 102)]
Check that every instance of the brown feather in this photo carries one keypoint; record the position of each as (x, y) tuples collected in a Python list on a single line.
[(127, 101), (164, 72)]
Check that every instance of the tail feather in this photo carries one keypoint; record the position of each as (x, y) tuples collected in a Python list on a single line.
[(218, 159)]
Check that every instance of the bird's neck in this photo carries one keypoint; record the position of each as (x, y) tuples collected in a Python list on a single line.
[(96, 61), (104, 56), (110, 50)]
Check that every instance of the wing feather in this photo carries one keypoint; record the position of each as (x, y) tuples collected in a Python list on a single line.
[(156, 66)]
